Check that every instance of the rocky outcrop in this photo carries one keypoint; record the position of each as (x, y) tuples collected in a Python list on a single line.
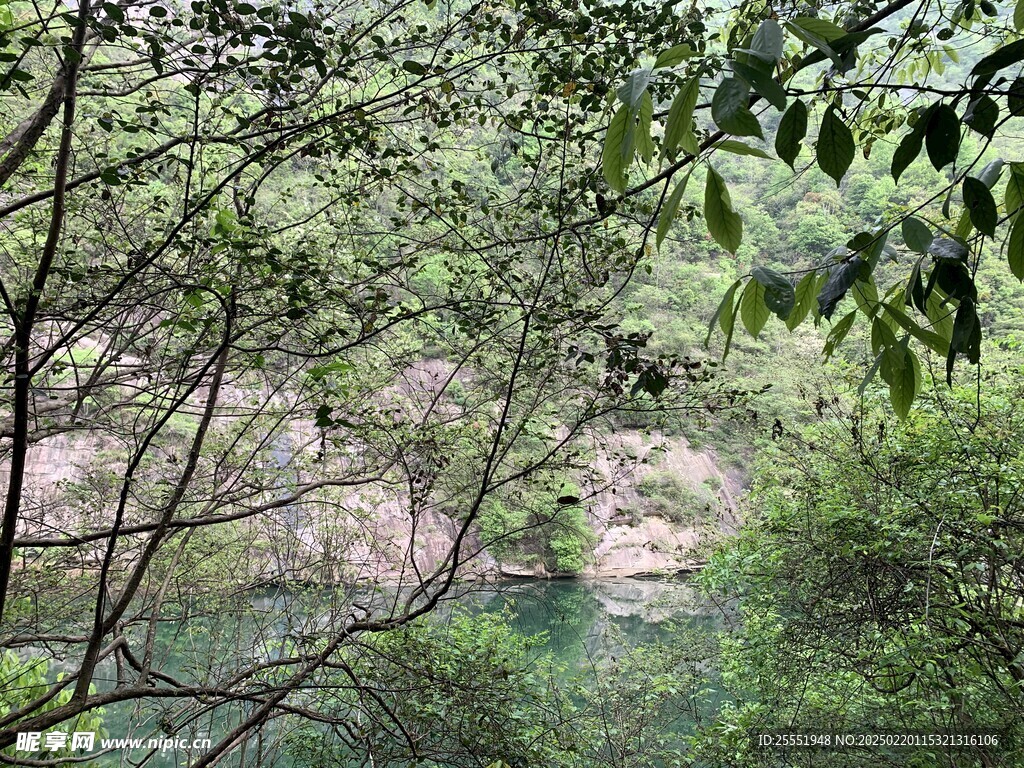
[(383, 544)]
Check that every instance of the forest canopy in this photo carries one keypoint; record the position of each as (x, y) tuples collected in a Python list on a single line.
[(367, 293)]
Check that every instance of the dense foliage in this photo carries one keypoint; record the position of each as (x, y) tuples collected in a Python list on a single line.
[(357, 294), (880, 582)]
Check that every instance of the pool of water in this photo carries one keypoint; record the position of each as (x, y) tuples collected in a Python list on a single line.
[(582, 622)]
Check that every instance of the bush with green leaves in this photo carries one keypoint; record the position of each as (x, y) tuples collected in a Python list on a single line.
[(880, 578), (470, 691), (666, 493), (22, 680)]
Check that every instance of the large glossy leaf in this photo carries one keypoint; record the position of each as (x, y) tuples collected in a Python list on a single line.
[(933, 340), (619, 145), (753, 311), (942, 136), (940, 314), (838, 333), (768, 40), (1014, 197), (839, 281), (913, 294), (1015, 248), (724, 224), (991, 172), (966, 338), (815, 40), (980, 205), (763, 83), (644, 142), (669, 210), (633, 89), (792, 129), (779, 296), (982, 114), (725, 314), (674, 55), (907, 151), (679, 124), (730, 112), (948, 248), (822, 28), (739, 148), (910, 145), (905, 383), (835, 147), (916, 235), (803, 299), (1002, 58), (865, 293)]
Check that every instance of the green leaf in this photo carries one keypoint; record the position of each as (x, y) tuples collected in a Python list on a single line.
[(869, 375), (1014, 197), (913, 294), (644, 142), (730, 112), (932, 340), (826, 30), (982, 114), (835, 148), (942, 136), (768, 41), (964, 226), (725, 315), (980, 205), (948, 248), (114, 12), (792, 129), (739, 148), (940, 315), (883, 337), (763, 83), (1002, 58), (674, 55), (679, 124), (323, 416), (634, 87), (671, 207), (779, 296), (321, 371), (414, 67), (905, 384), (753, 311), (990, 173), (966, 339), (1015, 97), (1018, 16), (865, 293), (838, 333), (815, 41), (916, 235), (840, 278), (1015, 248), (803, 299), (724, 224), (619, 144), (907, 151)]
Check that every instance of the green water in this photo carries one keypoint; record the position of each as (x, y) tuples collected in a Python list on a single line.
[(582, 622)]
